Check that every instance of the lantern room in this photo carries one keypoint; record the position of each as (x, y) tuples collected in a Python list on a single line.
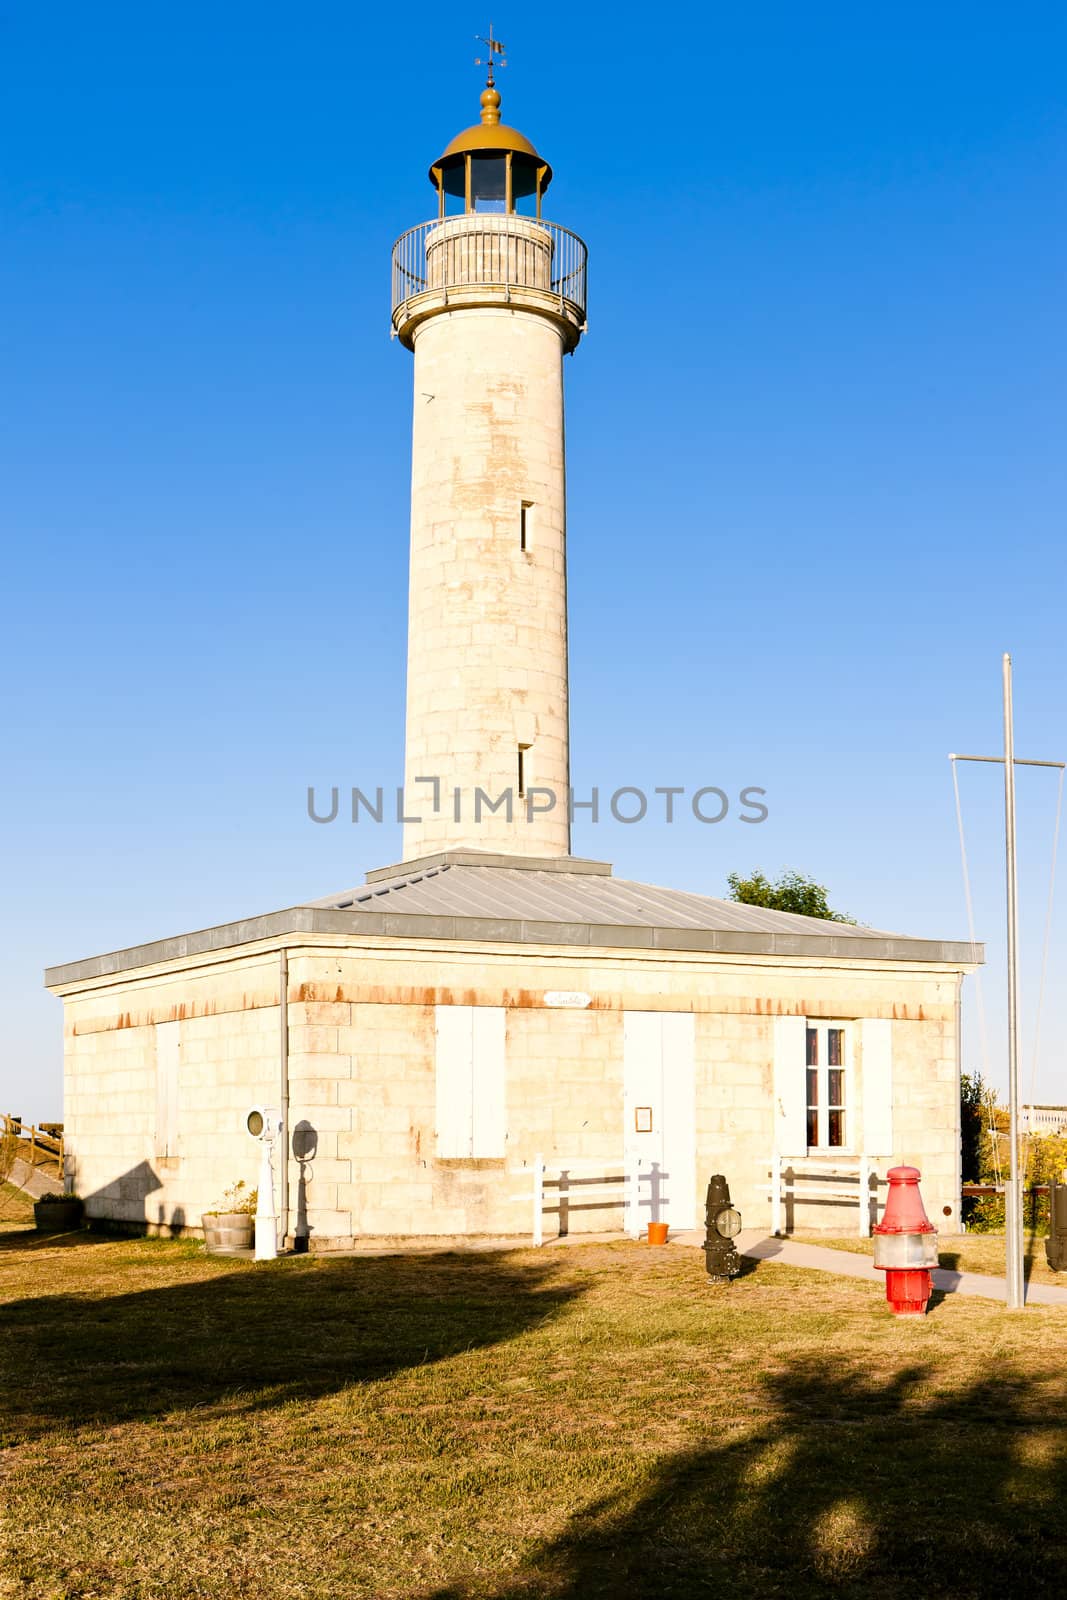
[(490, 167)]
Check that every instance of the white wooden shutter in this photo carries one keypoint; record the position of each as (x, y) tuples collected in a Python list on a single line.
[(679, 1091), (790, 1086), (679, 1116), (488, 1081), (168, 1067), (876, 1057), (470, 1066), (453, 1059)]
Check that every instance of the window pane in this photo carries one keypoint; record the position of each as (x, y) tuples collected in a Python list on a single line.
[(836, 1127), (835, 1039), (813, 1047), (488, 183), (813, 1106), (835, 1087)]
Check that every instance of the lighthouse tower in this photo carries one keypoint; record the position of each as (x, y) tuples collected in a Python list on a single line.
[(489, 297)]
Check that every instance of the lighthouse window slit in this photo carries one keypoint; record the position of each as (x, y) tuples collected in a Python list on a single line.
[(522, 770), (524, 524)]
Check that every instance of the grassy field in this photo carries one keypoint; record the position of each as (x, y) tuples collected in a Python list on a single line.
[(16, 1208), (596, 1421), (970, 1252)]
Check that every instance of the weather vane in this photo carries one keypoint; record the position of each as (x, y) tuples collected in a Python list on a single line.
[(493, 49)]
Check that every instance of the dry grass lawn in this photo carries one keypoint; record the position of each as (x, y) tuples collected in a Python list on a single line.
[(597, 1421), (969, 1252), (16, 1209)]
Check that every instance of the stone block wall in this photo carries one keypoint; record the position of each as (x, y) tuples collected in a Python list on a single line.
[(487, 627), (362, 1081), (228, 1029)]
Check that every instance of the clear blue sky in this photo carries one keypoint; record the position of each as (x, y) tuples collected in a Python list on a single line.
[(815, 446)]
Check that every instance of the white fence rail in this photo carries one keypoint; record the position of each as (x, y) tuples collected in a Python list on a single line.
[(621, 1180), (782, 1188)]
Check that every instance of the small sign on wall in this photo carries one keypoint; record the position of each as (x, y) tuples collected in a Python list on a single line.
[(567, 997), (642, 1119)]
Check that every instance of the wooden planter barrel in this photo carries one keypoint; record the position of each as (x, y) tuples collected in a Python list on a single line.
[(227, 1231)]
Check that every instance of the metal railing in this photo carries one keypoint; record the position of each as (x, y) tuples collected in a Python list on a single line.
[(488, 248)]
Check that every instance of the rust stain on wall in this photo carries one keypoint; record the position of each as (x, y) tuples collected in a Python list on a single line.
[(513, 999), (178, 1011)]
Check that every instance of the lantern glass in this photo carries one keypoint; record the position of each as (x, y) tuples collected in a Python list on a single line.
[(901, 1251), (728, 1222)]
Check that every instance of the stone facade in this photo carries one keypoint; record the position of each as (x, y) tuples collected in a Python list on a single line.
[(487, 627), (361, 1069)]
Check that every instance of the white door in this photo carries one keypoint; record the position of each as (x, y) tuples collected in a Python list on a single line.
[(659, 1105)]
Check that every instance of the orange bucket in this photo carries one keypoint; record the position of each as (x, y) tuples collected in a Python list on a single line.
[(657, 1233)]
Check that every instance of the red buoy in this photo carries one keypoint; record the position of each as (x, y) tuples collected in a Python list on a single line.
[(905, 1245)]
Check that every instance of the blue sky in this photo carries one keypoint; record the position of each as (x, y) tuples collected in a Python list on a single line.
[(815, 432)]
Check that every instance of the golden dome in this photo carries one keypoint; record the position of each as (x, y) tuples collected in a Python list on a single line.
[(490, 136)]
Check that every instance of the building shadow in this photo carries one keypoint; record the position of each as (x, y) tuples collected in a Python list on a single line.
[(276, 1332), (133, 1189), (850, 1485)]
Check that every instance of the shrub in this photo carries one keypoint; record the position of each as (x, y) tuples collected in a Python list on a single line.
[(236, 1201)]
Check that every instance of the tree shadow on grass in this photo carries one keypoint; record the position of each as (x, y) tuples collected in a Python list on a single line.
[(28, 1239), (296, 1329), (852, 1485)]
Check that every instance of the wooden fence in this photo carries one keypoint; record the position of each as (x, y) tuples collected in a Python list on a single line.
[(46, 1138), (978, 1191)]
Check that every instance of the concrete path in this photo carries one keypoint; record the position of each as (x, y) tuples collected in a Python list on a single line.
[(32, 1180), (849, 1264)]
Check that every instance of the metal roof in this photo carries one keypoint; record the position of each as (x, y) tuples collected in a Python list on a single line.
[(464, 890), (510, 901)]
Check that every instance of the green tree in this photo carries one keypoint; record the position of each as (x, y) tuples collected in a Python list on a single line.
[(978, 1114), (792, 892), (975, 1099)]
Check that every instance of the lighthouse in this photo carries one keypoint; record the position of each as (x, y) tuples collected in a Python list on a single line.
[(449, 1042), (489, 297)]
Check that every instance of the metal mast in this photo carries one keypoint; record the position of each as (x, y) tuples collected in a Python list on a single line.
[(1013, 1206), (1014, 1249)]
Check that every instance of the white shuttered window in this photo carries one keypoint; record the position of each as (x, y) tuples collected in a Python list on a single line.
[(168, 1067), (876, 1058), (470, 1086), (790, 1109)]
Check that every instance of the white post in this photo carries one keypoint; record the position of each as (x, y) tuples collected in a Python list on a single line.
[(776, 1194), (633, 1196), (266, 1219), (539, 1200), (865, 1198)]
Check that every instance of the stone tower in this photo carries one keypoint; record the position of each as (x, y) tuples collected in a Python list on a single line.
[(489, 298)]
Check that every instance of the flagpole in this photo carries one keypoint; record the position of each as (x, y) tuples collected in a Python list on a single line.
[(1014, 1251), (1013, 1210)]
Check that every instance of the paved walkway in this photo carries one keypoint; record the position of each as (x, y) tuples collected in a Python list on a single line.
[(850, 1264), (32, 1180)]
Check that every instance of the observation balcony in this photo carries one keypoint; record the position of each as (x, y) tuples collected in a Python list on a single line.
[(489, 259)]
